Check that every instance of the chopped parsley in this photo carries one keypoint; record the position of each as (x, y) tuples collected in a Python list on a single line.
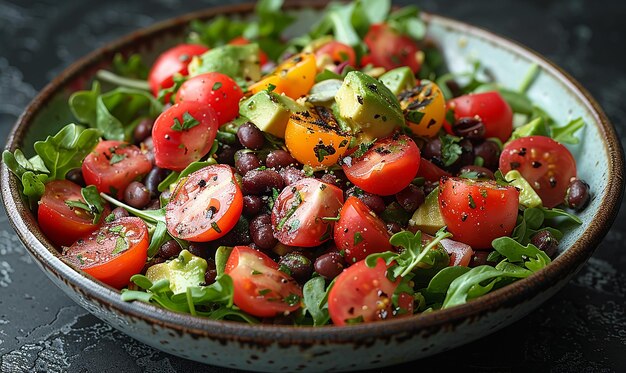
[(188, 123)]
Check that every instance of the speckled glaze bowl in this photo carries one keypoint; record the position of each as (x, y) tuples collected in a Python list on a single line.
[(276, 348)]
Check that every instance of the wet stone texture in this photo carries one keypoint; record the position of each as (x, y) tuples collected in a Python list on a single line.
[(582, 328)]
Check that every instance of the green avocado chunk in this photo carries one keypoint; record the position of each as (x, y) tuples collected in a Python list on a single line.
[(368, 106), (185, 271), (240, 62), (270, 111), (427, 218), (398, 80), (527, 195)]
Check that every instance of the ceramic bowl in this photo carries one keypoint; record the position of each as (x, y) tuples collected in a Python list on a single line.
[(275, 348)]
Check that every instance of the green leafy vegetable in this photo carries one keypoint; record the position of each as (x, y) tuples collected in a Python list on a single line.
[(131, 67), (565, 134), (450, 149), (189, 122), (315, 295)]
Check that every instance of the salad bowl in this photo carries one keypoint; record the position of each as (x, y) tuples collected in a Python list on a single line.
[(272, 347)]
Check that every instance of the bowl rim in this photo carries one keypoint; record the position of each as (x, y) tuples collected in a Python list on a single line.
[(86, 286)]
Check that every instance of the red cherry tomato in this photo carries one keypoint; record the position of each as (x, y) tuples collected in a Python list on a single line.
[(172, 61), (113, 165), (547, 165), (182, 134), (240, 40), (338, 53), (114, 253), (490, 107), (260, 289), (360, 232), (205, 205), (460, 253), (216, 90), (62, 224), (297, 216), (386, 168), (363, 294), (389, 49), (430, 171), (477, 212)]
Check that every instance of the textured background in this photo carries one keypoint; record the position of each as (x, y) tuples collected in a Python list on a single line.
[(583, 328)]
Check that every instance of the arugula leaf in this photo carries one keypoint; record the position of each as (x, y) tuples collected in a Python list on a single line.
[(565, 134), (93, 201), (407, 21), (158, 238), (33, 187), (215, 32), (82, 104), (315, 295), (131, 67), (514, 252), (450, 149)]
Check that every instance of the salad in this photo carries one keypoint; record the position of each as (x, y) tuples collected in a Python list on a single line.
[(342, 176)]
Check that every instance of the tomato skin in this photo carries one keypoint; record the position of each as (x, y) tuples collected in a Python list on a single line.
[(294, 77), (95, 254), (386, 168), (430, 171), (360, 291), (338, 53), (60, 223), (172, 61), (547, 165), (114, 178), (427, 101), (216, 90), (240, 40), (204, 206), (260, 289), (360, 232), (297, 221), (490, 107), (477, 212), (389, 49), (175, 149)]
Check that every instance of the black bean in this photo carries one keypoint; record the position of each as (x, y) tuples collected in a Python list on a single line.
[(432, 149), (480, 258), (246, 161), (279, 159), (200, 249), (76, 176), (454, 87), (137, 195), (120, 212), (153, 179), (252, 205), (262, 181), (298, 265), (250, 136), (291, 175), (467, 154), (148, 147), (262, 233), (329, 265), (393, 227), (374, 202), (211, 272), (489, 151), (169, 249), (545, 241), (151, 262), (238, 235), (226, 154), (429, 186), (143, 130), (331, 179), (480, 172), (411, 197), (469, 128), (577, 196)]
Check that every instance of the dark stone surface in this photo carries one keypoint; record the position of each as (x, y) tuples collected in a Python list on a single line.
[(583, 328)]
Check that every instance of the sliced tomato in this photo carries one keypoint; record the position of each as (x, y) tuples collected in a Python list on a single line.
[(386, 168), (294, 77), (430, 171), (490, 108), (547, 165), (260, 289), (337, 52), (173, 61), (359, 232), (364, 294), (182, 134), (113, 165), (477, 212), (205, 205), (460, 253), (114, 253), (240, 40), (299, 211), (61, 223), (216, 90), (389, 49)]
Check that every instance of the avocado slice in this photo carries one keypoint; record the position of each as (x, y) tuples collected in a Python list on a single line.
[(240, 62), (427, 218), (398, 80), (368, 106), (185, 271), (270, 111), (527, 195)]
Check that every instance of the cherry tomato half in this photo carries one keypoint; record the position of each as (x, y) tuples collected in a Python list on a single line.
[(113, 165), (294, 77), (216, 90), (172, 61), (490, 108), (299, 212), (360, 232), (389, 49), (114, 253), (430, 171), (260, 289), (205, 205), (424, 108), (337, 52), (477, 212), (182, 134), (547, 165), (62, 224), (364, 294), (386, 168)]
